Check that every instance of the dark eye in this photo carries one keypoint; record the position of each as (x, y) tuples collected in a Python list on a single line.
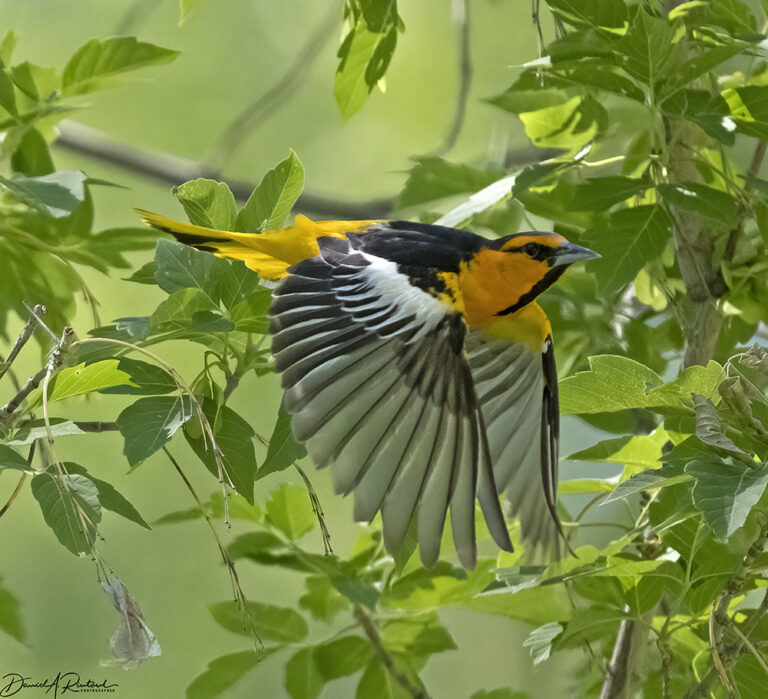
[(532, 249)]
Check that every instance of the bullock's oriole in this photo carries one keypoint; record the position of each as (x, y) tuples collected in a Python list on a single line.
[(417, 363)]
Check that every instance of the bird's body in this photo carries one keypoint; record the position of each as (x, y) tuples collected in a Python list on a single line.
[(416, 362)]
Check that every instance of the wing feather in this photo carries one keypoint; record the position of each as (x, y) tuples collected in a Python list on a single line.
[(378, 386), (517, 392)]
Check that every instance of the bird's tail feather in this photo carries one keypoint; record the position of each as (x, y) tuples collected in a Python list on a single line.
[(269, 253)]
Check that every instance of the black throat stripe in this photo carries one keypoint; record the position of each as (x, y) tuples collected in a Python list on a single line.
[(542, 285)]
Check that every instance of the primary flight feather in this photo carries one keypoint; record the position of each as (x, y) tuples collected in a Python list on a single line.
[(417, 364)]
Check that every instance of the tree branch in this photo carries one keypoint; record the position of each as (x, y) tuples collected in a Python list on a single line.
[(173, 170)]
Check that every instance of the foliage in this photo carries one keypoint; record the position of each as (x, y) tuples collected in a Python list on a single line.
[(650, 112)]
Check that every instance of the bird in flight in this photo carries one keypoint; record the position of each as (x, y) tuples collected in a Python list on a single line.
[(417, 364)]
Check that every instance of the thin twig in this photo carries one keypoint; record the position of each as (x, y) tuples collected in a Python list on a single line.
[(14, 494), (317, 509), (461, 13), (751, 648), (23, 338), (275, 97), (22, 478), (370, 630), (714, 648), (57, 357), (239, 595)]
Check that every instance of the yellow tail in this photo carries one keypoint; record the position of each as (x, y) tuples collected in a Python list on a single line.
[(269, 253)]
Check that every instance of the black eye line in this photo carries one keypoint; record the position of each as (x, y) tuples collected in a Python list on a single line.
[(542, 252)]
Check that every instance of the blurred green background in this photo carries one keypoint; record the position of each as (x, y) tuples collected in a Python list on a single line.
[(233, 51)]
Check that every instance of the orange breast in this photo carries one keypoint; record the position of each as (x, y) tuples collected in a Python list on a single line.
[(494, 280)]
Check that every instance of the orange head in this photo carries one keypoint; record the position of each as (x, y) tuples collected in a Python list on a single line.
[(512, 271)]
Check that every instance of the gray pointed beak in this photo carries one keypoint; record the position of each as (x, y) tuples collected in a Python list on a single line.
[(570, 253)]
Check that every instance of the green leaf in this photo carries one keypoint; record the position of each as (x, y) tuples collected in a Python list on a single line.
[(56, 195), (500, 693), (7, 92), (271, 622), (702, 380), (433, 178), (240, 284), (109, 498), (70, 506), (572, 487), (185, 7), (517, 99), (251, 314), (648, 48), (322, 599), (35, 429), (208, 203), (182, 267), (627, 241), (539, 641), (234, 437), (590, 624), (185, 310), (96, 62), (612, 383), (725, 492), (222, 673), (365, 55), (421, 636), (272, 200), (290, 510), (707, 60), (569, 125), (342, 657), (37, 82), (596, 13), (533, 605), (12, 459), (377, 683), (647, 480), (749, 676), (83, 378), (10, 617), (146, 379), (707, 201), (710, 430), (303, 679), (7, 46), (283, 450), (600, 193), (749, 109), (149, 423), (709, 112), (639, 450), (145, 274), (32, 157)]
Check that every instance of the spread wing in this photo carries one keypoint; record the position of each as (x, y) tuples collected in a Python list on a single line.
[(379, 388), (517, 390)]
